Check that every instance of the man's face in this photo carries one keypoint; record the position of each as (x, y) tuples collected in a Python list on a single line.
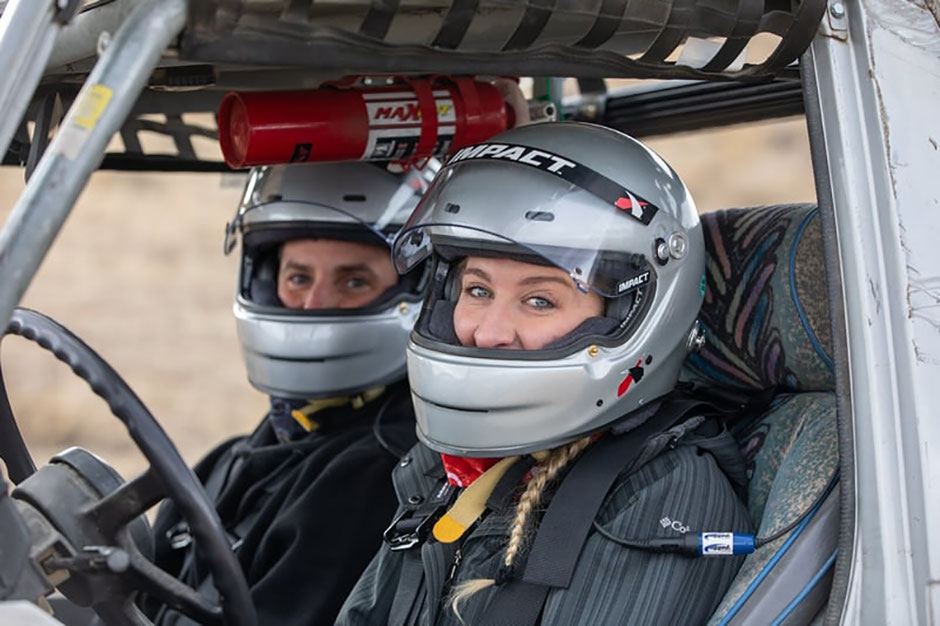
[(332, 274)]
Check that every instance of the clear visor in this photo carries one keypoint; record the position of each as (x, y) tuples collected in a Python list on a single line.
[(263, 205), (476, 209), (309, 220)]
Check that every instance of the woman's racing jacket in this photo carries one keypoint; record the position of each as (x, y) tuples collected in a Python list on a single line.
[(676, 486)]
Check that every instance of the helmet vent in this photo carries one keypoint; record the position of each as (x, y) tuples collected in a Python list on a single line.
[(540, 216), (354, 197), (450, 207)]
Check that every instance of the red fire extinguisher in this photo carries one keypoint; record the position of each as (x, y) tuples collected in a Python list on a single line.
[(409, 121)]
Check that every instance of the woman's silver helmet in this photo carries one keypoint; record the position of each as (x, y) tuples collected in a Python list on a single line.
[(302, 353), (609, 212)]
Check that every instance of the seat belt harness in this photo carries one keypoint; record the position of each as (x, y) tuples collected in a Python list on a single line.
[(571, 513), (411, 527)]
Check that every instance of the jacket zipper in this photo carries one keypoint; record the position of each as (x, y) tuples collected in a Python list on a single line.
[(458, 556), (445, 588)]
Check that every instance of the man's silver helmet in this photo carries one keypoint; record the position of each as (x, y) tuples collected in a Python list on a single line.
[(298, 353), (605, 209)]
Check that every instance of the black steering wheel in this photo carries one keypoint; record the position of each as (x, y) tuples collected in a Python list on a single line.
[(99, 518)]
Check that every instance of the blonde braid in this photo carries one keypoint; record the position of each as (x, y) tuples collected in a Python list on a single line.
[(547, 470)]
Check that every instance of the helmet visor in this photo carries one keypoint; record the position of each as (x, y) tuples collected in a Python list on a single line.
[(330, 194), (383, 206), (285, 244), (505, 209), (278, 222)]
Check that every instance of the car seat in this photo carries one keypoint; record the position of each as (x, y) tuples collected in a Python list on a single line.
[(766, 320)]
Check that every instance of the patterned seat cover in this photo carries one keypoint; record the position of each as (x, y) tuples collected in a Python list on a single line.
[(766, 319)]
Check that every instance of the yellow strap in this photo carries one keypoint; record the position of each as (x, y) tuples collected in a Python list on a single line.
[(308, 424), (366, 397), (470, 504), (302, 415)]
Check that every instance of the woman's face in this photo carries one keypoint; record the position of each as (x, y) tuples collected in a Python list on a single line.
[(514, 305)]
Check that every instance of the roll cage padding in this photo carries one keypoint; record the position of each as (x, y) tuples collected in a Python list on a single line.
[(584, 39)]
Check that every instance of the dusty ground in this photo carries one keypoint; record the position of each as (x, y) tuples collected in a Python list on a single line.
[(138, 273)]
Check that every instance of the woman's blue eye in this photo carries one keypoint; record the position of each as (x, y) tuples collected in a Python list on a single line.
[(541, 303)]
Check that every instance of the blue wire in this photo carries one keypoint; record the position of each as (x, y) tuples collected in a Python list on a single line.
[(805, 592), (795, 296), (774, 559)]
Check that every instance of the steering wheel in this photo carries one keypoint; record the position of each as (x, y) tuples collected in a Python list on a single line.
[(94, 521)]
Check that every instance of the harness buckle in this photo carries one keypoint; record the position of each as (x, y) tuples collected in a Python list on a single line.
[(408, 530), (412, 526)]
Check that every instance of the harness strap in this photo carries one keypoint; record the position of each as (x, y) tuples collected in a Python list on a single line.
[(410, 582), (572, 510), (406, 534), (501, 496), (516, 604), (570, 515)]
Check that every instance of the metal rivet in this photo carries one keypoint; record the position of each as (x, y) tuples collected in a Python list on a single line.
[(415, 500), (403, 307), (837, 10), (405, 462), (696, 340), (662, 251), (592, 351), (104, 40), (677, 245)]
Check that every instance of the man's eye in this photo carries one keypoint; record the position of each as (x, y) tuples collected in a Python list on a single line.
[(298, 280), (475, 291), (356, 283)]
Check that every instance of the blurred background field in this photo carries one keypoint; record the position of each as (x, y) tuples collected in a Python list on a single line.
[(138, 273)]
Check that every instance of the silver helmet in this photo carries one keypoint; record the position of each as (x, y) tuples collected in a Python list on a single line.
[(303, 353), (610, 213)]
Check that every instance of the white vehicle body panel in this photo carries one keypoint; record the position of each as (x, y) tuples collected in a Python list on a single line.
[(877, 69)]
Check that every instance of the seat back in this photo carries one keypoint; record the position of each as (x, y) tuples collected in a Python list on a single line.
[(766, 309), (766, 319)]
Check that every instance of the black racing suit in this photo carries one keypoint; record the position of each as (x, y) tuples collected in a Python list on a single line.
[(304, 516)]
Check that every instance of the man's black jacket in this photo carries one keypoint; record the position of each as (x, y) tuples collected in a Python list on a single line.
[(305, 517)]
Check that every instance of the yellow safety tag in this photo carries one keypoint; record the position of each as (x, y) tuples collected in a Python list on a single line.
[(471, 503)]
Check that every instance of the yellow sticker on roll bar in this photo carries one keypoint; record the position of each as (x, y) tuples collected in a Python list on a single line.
[(91, 105), (81, 120)]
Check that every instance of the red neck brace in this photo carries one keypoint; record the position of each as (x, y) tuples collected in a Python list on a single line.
[(463, 470)]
